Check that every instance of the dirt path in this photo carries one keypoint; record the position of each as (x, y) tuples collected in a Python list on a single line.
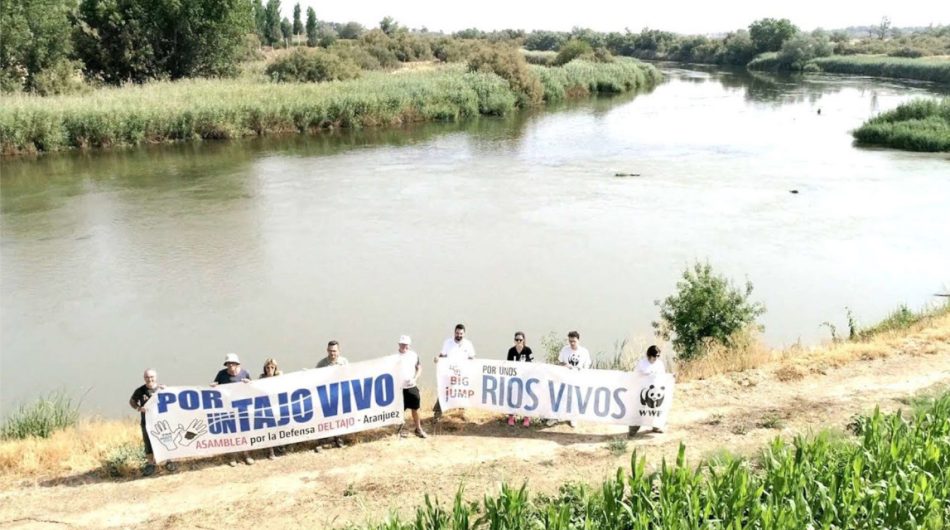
[(739, 412)]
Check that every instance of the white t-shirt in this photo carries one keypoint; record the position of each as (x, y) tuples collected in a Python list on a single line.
[(456, 351), (575, 359), (645, 367), (407, 368)]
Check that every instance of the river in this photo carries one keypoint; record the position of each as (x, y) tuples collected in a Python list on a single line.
[(172, 256)]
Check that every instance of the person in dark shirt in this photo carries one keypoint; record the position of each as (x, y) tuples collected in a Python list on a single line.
[(139, 398), (233, 373), (520, 352)]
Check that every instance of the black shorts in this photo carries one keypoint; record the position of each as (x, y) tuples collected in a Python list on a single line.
[(412, 398), (145, 438)]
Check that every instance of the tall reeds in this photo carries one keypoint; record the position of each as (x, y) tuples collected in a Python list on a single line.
[(924, 68), (920, 125), (218, 109)]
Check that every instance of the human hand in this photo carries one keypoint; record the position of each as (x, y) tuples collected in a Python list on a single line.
[(214, 384), (195, 430), (245, 380), (166, 436)]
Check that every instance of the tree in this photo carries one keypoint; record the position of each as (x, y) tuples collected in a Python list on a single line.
[(768, 34), (260, 20), (31, 42), (351, 30), (706, 307), (882, 28), (286, 31), (311, 27), (389, 26), (298, 25), (133, 40), (272, 33)]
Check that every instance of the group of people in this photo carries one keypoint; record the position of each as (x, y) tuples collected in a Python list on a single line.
[(455, 348)]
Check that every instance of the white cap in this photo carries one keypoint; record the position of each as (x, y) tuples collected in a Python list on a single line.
[(405, 339), (231, 358)]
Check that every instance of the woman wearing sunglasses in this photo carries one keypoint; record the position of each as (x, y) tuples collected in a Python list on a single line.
[(520, 352)]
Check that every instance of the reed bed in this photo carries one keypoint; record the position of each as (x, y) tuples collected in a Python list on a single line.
[(936, 69), (895, 474), (220, 109), (920, 125)]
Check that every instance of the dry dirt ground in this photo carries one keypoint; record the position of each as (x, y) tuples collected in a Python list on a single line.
[(381, 472)]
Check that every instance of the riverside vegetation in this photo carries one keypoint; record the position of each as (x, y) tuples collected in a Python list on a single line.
[(920, 125), (895, 474)]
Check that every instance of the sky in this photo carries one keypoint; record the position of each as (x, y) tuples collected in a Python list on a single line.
[(688, 17)]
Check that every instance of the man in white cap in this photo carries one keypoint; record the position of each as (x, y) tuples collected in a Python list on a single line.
[(233, 373), (409, 369)]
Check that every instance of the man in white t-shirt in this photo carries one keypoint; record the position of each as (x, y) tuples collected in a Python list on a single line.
[(409, 370), (574, 356), (454, 349)]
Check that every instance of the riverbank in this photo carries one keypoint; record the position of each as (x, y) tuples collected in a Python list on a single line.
[(64, 479), (921, 125), (221, 109), (935, 69)]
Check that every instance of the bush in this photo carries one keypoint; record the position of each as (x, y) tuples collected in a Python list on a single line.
[(571, 50), (41, 418), (509, 64), (706, 307), (125, 460), (919, 125), (313, 66)]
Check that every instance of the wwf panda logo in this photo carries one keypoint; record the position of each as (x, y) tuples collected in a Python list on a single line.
[(652, 396)]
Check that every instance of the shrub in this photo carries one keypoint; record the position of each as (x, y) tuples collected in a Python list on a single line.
[(125, 460), (571, 50), (312, 65), (706, 307), (509, 64), (41, 418)]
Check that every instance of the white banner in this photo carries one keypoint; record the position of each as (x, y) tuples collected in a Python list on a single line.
[(309, 405), (556, 392)]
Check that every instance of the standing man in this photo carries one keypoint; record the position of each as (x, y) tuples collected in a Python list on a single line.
[(333, 358), (233, 373), (139, 398), (453, 349), (409, 369), (574, 356)]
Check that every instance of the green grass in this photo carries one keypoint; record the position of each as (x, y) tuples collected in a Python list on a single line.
[(218, 109), (894, 474), (920, 125), (924, 68), (901, 319), (41, 418)]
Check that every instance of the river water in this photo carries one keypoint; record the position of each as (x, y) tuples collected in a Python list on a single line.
[(172, 256)]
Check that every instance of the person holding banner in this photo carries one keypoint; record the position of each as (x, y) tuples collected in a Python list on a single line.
[(409, 369), (454, 349), (333, 358), (649, 366), (520, 352), (233, 373), (271, 370), (575, 357), (139, 398)]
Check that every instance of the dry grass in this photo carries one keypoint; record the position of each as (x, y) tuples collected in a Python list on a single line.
[(749, 352), (76, 449)]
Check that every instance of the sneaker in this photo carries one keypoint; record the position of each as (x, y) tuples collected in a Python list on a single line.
[(339, 442), (437, 416), (526, 422), (271, 456), (511, 421), (249, 461), (572, 423), (171, 467), (657, 429), (421, 434), (550, 422), (148, 470), (233, 463), (632, 431)]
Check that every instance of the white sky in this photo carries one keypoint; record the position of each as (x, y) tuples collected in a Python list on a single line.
[(678, 16)]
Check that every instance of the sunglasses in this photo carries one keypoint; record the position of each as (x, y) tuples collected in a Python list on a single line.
[(519, 340)]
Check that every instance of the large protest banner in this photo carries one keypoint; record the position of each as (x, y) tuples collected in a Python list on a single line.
[(556, 392), (312, 404)]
